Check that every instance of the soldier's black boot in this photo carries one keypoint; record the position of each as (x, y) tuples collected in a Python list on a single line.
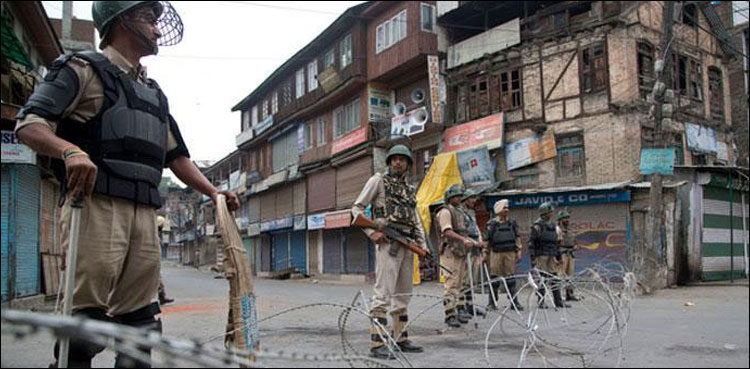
[(144, 319), (570, 295), (463, 316), (557, 295), (407, 346), (512, 294), (80, 353), (381, 352), (452, 321)]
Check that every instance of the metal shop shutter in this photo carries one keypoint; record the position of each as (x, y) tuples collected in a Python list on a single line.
[(355, 251), (51, 255), (716, 247), (300, 197), (5, 230), (268, 206), (27, 231), (332, 251), (321, 191), (298, 254), (265, 254), (280, 246), (254, 213), (350, 179), (284, 201)]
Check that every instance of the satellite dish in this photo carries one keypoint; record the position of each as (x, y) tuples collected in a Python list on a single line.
[(399, 109), (418, 95)]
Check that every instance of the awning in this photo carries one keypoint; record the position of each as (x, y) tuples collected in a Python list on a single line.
[(12, 48)]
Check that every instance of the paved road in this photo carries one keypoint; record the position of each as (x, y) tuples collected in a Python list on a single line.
[(663, 331)]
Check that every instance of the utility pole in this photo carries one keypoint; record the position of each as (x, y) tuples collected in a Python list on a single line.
[(662, 97)]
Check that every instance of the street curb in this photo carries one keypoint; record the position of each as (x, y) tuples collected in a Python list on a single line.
[(34, 303)]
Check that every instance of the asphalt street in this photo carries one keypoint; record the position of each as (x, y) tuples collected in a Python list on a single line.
[(697, 326)]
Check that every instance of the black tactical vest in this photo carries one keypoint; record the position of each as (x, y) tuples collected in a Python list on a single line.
[(127, 139), (547, 242), (502, 236)]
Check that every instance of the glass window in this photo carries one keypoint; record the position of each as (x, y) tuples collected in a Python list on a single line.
[(346, 50), (300, 90), (321, 131), (428, 17), (312, 73), (571, 159)]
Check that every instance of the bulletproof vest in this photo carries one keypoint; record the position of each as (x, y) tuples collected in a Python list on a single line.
[(127, 139), (503, 236), (547, 242), (400, 202), (568, 239), (471, 225), (459, 226)]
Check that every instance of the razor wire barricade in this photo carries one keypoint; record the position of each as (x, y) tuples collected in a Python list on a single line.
[(592, 333)]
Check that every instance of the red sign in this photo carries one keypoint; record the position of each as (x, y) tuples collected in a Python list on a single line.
[(486, 131), (338, 219), (352, 139)]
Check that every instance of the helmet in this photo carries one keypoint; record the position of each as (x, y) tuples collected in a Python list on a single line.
[(399, 150), (546, 208), (563, 214), (452, 192), (469, 193), (169, 22)]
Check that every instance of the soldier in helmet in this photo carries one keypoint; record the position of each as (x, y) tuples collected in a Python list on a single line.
[(567, 246), (394, 204), (503, 252), (455, 243), (468, 204), (110, 133), (545, 255)]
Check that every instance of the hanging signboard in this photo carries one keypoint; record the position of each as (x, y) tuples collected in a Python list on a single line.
[(486, 131), (700, 139), (657, 161), (530, 150), (14, 151)]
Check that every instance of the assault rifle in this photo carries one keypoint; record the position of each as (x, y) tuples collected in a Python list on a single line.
[(395, 235)]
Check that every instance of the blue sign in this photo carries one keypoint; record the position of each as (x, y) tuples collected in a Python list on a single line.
[(559, 199), (657, 161), (264, 125), (316, 221), (273, 225)]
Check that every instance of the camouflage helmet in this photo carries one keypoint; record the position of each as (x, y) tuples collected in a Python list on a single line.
[(399, 150), (469, 193), (563, 214), (452, 192), (546, 208)]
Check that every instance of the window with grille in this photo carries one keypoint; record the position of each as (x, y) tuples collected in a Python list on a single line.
[(346, 119), (330, 59), (593, 68), (345, 46), (275, 103), (390, 32), (312, 73), (300, 90), (688, 77), (510, 90), (571, 158), (716, 93), (309, 135), (321, 131), (428, 17), (645, 68)]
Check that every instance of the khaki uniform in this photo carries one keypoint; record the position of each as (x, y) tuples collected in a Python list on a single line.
[(453, 257), (544, 248), (568, 265), (394, 264), (475, 257), (502, 262), (118, 249)]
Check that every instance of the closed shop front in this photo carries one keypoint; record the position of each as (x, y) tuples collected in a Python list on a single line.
[(267, 206), (332, 255), (722, 241), (51, 251), (20, 231), (350, 179), (599, 220), (357, 251), (265, 253), (280, 250), (321, 191), (298, 249)]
